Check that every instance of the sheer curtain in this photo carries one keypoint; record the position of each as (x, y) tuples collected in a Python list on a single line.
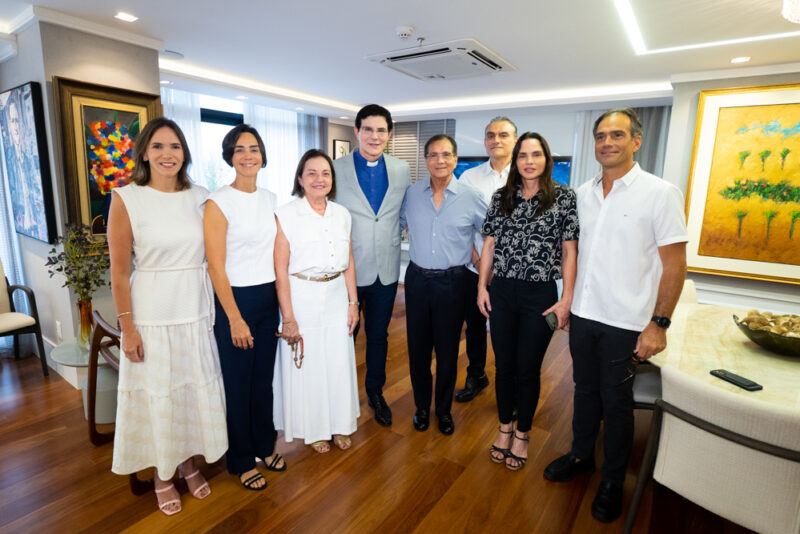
[(584, 165), (650, 156), (312, 132), (279, 129), (184, 108)]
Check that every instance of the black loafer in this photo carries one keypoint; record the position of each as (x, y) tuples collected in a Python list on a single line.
[(607, 504), (383, 415), (446, 425), (472, 387), (567, 467), (422, 420)]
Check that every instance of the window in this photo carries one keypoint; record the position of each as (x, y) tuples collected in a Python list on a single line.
[(214, 124)]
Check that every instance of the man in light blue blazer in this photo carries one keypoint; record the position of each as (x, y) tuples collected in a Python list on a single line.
[(371, 185)]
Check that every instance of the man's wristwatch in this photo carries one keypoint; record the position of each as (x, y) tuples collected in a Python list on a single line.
[(662, 322)]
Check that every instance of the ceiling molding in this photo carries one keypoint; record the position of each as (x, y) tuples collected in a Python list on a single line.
[(43, 14), (763, 70), (555, 97), (8, 46), (186, 71)]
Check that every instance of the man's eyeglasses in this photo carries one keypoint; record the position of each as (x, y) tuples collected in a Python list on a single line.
[(435, 156), (369, 130), (631, 366)]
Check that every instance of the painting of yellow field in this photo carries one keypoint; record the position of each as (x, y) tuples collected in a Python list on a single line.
[(752, 209)]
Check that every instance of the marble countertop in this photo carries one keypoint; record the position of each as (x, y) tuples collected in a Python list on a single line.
[(703, 337)]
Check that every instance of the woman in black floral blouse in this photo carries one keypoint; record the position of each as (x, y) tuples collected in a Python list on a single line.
[(531, 233)]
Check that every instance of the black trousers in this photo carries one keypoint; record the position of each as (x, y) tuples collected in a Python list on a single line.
[(434, 316), (601, 365), (520, 336), (247, 374), (476, 328)]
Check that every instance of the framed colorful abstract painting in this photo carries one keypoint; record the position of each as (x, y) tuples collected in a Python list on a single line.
[(98, 126), (26, 161), (743, 197)]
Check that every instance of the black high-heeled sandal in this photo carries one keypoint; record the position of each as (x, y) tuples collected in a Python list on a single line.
[(504, 452), (514, 457)]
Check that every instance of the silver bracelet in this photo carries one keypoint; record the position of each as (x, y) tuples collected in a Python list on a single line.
[(351, 303)]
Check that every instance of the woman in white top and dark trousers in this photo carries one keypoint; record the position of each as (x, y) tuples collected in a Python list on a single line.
[(240, 230)]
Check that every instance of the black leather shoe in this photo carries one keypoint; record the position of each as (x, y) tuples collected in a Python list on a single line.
[(567, 467), (607, 504), (472, 387), (446, 425), (422, 420), (383, 415)]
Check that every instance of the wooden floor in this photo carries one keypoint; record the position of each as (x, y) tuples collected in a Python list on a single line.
[(393, 479)]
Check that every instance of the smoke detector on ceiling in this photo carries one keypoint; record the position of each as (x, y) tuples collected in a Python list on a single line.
[(463, 58)]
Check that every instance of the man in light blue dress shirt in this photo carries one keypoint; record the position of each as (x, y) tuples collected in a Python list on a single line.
[(442, 216)]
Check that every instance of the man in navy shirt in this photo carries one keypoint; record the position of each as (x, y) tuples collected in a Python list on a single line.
[(371, 185)]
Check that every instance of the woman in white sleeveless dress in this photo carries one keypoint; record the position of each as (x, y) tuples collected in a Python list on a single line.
[(316, 393), (170, 404)]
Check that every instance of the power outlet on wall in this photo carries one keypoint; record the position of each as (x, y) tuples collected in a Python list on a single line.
[(59, 332)]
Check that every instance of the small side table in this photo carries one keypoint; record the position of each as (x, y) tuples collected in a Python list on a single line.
[(71, 354)]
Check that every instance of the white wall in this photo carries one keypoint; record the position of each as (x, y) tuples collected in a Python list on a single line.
[(714, 289)]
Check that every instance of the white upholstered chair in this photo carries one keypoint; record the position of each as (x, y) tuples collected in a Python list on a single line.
[(13, 323), (729, 453)]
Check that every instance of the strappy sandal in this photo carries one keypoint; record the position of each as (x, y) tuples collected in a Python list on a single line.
[(343, 442), (273, 464), (198, 491), (250, 482), (162, 505), (504, 452), (516, 458), (321, 446)]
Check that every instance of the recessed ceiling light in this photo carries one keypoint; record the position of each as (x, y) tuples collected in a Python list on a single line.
[(127, 17), (241, 97), (166, 82), (344, 118), (742, 59)]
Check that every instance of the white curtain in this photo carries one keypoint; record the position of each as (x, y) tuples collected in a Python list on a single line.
[(278, 128), (584, 165), (312, 132), (655, 127), (184, 108)]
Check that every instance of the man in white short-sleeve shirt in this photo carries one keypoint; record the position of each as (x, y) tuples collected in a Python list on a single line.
[(631, 268), (500, 136)]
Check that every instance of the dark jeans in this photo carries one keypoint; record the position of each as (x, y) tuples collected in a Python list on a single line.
[(376, 301), (476, 328), (520, 337), (247, 374), (434, 316), (600, 363)]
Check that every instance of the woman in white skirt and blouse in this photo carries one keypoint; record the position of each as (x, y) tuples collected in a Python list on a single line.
[(316, 392), (170, 402)]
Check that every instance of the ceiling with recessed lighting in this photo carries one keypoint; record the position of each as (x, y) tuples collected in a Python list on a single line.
[(563, 51)]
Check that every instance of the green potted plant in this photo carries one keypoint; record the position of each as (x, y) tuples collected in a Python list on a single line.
[(83, 262)]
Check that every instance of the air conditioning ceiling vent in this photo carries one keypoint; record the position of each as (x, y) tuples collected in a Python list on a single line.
[(451, 60)]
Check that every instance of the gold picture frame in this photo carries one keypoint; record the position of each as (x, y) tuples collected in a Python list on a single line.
[(743, 194), (97, 126)]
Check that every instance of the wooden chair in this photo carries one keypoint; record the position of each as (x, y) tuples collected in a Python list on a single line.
[(13, 323), (104, 337)]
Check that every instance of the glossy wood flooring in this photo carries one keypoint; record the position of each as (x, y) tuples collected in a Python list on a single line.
[(393, 479)]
